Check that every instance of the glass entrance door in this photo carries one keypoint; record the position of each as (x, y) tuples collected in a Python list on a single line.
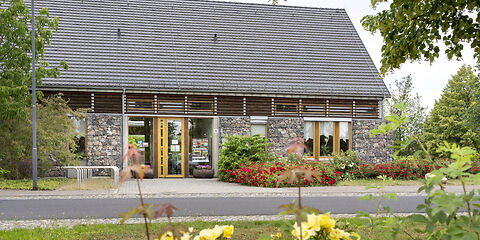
[(170, 147)]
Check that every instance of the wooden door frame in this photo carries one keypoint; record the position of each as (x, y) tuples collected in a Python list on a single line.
[(161, 170)]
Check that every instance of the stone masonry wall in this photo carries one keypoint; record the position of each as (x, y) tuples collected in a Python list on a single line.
[(104, 139), (372, 150), (281, 130), (230, 126)]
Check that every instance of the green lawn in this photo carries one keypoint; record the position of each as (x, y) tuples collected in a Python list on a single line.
[(57, 184), (244, 230), (366, 182)]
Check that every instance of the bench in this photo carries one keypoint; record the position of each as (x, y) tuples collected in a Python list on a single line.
[(82, 172)]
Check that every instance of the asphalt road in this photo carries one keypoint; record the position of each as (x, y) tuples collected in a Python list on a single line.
[(243, 206)]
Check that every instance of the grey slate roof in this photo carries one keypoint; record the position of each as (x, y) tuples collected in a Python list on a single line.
[(170, 45)]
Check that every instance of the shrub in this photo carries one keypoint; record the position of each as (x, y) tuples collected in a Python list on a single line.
[(398, 169), (265, 174), (55, 128), (241, 149), (346, 162)]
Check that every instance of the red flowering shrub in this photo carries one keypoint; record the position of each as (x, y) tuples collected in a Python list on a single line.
[(399, 169), (265, 174)]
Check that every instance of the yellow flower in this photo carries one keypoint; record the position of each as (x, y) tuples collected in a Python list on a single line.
[(276, 236), (313, 222), (338, 234), (227, 231), (185, 236), (207, 234), (326, 222), (218, 230), (167, 236), (306, 232)]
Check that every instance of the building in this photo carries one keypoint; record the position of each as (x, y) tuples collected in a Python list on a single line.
[(175, 77)]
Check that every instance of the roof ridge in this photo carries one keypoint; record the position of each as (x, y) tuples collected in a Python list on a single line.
[(247, 3)]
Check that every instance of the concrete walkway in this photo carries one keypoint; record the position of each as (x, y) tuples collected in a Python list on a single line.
[(192, 187)]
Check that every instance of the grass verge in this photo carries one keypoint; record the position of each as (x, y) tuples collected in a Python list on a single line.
[(366, 182), (244, 230), (57, 184)]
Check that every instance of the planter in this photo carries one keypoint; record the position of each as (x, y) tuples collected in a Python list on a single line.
[(203, 173)]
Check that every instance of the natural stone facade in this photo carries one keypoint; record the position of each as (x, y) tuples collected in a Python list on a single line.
[(104, 139), (372, 150), (234, 126), (281, 130)]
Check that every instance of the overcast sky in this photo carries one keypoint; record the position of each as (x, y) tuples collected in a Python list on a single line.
[(429, 80)]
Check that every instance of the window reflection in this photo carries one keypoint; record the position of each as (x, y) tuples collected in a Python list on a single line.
[(200, 136), (140, 134), (326, 138), (344, 136), (308, 137)]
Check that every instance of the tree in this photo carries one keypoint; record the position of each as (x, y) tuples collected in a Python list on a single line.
[(402, 93), (56, 131), (448, 121), (15, 56), (413, 30), (473, 113)]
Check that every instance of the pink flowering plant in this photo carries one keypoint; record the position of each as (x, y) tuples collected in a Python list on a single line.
[(203, 167)]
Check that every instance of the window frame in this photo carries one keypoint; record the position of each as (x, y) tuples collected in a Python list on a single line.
[(336, 137)]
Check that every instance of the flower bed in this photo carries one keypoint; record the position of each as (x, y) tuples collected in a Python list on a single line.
[(403, 169), (265, 174)]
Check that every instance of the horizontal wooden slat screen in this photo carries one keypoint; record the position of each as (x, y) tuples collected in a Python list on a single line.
[(366, 109), (75, 100), (259, 106), (200, 105), (286, 107), (108, 102), (340, 108), (314, 107), (229, 106), (170, 104), (140, 103)]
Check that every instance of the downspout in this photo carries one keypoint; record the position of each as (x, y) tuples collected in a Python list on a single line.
[(382, 104), (123, 129)]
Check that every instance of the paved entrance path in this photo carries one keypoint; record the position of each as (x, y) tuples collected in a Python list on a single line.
[(192, 187)]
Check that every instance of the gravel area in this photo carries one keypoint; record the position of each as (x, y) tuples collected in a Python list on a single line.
[(196, 195)]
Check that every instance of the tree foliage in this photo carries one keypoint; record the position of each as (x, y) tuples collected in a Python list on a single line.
[(55, 129), (15, 55), (403, 93), (414, 30), (448, 121)]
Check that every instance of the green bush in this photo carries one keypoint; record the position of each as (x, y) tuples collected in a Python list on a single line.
[(238, 149), (55, 128), (346, 162)]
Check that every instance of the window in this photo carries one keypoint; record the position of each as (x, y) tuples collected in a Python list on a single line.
[(314, 109), (258, 129), (200, 106), (200, 137), (139, 105), (327, 137), (80, 138), (286, 108), (308, 137), (140, 134), (166, 106)]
